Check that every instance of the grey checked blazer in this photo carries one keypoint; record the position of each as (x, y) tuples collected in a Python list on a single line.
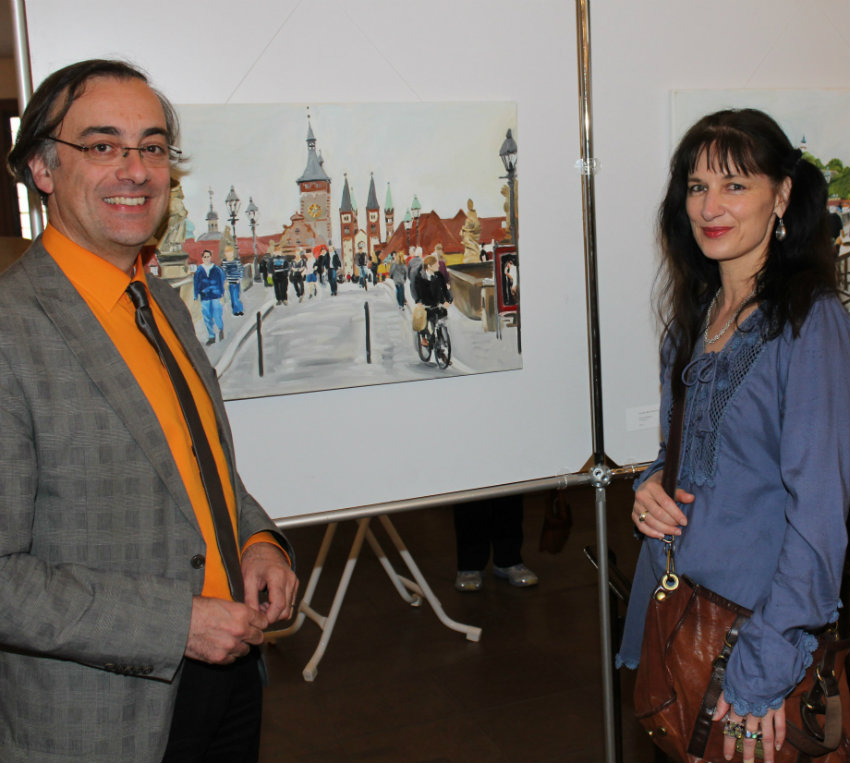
[(96, 531)]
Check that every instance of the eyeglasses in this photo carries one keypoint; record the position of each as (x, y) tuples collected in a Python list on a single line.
[(109, 153)]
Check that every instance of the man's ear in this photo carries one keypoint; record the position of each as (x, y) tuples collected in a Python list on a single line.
[(41, 175)]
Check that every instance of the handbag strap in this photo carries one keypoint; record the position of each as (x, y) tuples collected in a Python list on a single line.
[(702, 727), (674, 445), (823, 698)]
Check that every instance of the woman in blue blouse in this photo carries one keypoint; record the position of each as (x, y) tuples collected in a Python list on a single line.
[(757, 340)]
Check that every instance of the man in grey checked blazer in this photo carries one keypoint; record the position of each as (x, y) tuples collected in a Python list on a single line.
[(101, 555)]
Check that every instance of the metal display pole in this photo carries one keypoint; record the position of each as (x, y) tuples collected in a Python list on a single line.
[(600, 473), (24, 80)]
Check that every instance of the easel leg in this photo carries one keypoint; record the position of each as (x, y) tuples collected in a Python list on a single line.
[(312, 667), (402, 585), (304, 608), (420, 589)]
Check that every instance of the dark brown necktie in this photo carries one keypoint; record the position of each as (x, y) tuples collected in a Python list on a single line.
[(210, 476)]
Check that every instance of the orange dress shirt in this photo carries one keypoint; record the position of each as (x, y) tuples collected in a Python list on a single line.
[(103, 286)]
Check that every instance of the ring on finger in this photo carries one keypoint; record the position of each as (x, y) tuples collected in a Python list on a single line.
[(752, 734), (642, 517), (733, 729)]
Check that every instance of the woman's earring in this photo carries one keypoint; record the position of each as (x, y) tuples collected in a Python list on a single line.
[(780, 231)]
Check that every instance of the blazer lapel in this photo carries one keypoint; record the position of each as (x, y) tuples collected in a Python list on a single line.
[(104, 365)]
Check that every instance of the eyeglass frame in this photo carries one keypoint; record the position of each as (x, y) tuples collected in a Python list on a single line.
[(174, 153)]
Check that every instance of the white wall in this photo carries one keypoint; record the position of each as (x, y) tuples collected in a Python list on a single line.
[(451, 433), (641, 52)]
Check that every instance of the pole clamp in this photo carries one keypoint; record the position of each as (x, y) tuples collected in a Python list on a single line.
[(587, 167)]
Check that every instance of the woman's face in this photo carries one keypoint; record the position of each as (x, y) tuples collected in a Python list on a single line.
[(732, 215)]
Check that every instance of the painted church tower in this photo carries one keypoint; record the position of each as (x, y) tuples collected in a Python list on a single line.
[(348, 227), (212, 232), (315, 188), (373, 219), (389, 214)]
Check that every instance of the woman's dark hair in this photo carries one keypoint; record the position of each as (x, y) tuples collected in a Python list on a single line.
[(796, 270), (51, 102)]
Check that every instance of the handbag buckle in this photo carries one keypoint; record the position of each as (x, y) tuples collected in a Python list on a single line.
[(669, 580)]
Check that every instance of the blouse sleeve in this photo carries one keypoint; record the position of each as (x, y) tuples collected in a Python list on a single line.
[(774, 647), (667, 353)]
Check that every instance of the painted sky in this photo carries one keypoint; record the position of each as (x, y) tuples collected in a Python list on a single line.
[(445, 153), (821, 116)]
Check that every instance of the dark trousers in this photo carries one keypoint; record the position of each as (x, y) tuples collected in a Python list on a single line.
[(218, 713), (280, 280), (493, 522), (332, 280)]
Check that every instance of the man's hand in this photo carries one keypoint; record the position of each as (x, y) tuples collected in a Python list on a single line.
[(264, 567), (221, 630)]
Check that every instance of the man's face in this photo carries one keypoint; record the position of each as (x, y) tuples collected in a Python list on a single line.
[(206, 257), (109, 210)]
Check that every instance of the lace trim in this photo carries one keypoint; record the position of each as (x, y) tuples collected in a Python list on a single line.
[(808, 644), (714, 380), (619, 662)]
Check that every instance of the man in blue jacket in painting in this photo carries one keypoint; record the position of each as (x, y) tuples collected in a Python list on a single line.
[(209, 288)]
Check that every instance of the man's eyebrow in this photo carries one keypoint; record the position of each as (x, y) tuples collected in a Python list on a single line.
[(99, 130), (114, 131)]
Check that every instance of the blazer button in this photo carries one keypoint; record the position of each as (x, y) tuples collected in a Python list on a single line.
[(198, 561)]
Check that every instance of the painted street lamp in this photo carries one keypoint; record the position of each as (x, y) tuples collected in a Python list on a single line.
[(416, 210), (508, 154), (232, 202), (251, 211)]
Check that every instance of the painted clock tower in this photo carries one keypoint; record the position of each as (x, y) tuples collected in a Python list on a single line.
[(315, 188)]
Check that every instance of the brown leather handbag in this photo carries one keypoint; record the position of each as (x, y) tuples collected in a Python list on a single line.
[(688, 637)]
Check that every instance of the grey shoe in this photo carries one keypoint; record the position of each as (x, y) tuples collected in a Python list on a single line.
[(468, 580), (518, 575)]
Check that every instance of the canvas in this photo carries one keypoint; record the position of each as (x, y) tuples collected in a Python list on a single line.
[(373, 184)]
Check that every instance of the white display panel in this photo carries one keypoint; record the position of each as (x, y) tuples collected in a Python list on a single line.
[(302, 454)]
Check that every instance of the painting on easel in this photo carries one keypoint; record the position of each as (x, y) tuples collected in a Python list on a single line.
[(298, 234)]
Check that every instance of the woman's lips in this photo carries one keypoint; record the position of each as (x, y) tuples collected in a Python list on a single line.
[(715, 232)]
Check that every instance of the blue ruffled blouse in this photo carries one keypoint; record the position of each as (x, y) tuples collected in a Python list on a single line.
[(766, 452)]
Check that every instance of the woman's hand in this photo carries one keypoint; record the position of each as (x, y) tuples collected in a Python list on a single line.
[(770, 730), (654, 513)]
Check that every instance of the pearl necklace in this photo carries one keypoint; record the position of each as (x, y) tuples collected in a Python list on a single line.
[(728, 323)]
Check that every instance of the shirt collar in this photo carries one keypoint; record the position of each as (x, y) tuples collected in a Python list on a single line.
[(101, 281)]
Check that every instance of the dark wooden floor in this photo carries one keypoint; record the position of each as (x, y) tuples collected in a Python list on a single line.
[(397, 685)]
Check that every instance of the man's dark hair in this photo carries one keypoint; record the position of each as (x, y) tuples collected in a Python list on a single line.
[(51, 102)]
